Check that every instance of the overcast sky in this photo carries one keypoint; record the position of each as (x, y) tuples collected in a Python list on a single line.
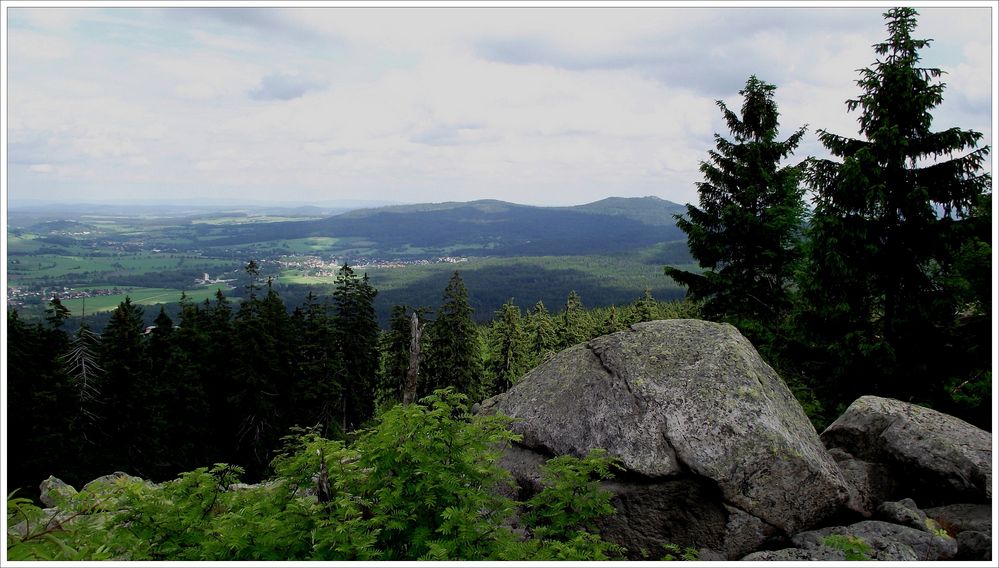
[(531, 105)]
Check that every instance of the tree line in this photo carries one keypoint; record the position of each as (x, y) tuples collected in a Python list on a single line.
[(883, 286), (224, 382)]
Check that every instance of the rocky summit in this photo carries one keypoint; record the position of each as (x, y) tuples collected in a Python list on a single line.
[(689, 408)]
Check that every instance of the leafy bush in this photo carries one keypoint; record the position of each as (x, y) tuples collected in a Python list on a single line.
[(673, 552), (421, 484)]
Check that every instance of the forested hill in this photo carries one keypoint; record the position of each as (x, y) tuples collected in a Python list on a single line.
[(488, 227)]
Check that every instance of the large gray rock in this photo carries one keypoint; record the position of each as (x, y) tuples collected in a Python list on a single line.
[(939, 457), (682, 399), (870, 483), (887, 541), (105, 482), (652, 513), (823, 553), (974, 545), (962, 517), (907, 513), (971, 525), (55, 492)]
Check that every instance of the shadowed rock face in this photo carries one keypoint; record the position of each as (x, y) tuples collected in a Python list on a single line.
[(680, 399), (939, 458)]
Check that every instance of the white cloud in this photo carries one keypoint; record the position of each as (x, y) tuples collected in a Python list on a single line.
[(539, 105), (27, 46)]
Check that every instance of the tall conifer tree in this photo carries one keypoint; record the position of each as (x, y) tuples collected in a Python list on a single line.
[(507, 348), (453, 355), (542, 336), (576, 324), (890, 217), (356, 338), (745, 233), (125, 383)]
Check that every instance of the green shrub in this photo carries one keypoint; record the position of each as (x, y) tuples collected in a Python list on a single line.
[(422, 483)]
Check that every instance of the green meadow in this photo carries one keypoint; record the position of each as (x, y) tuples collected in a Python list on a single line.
[(142, 296)]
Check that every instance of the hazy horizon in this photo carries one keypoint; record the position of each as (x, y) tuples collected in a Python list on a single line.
[(541, 106), (25, 204)]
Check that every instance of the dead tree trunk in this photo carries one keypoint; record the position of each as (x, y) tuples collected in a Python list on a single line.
[(413, 374)]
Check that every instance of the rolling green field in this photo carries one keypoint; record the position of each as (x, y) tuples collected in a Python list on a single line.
[(142, 296), (77, 268)]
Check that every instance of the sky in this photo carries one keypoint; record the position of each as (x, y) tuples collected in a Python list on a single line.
[(535, 105)]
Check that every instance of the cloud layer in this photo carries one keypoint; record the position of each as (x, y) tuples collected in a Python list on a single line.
[(533, 105)]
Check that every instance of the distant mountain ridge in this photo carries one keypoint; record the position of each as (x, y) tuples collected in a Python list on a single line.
[(487, 227)]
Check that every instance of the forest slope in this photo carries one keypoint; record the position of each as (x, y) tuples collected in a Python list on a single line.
[(488, 227)]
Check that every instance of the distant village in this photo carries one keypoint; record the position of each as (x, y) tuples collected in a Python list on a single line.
[(18, 296)]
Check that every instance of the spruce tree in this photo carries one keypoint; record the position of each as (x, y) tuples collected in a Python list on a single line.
[(542, 336), (612, 323), (189, 395), (576, 325), (41, 408), (891, 216), (258, 374), (124, 394), (745, 232), (644, 308), (453, 356), (508, 359), (315, 393), (356, 339)]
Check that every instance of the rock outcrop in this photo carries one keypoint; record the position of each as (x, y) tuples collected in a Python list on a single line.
[(680, 402), (935, 457), (971, 526), (887, 541)]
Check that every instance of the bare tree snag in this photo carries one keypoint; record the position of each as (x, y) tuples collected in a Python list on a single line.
[(415, 356)]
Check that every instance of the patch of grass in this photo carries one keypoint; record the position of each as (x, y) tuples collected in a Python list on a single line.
[(854, 547), (143, 296)]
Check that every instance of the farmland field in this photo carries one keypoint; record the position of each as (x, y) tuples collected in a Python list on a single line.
[(142, 296)]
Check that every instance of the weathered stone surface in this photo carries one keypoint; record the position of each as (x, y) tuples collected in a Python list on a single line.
[(525, 466), (55, 492), (974, 545), (795, 554), (906, 513), (651, 512), (887, 541), (870, 484), (745, 533), (942, 457), (681, 398), (962, 517), (971, 525), (683, 511), (116, 477)]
